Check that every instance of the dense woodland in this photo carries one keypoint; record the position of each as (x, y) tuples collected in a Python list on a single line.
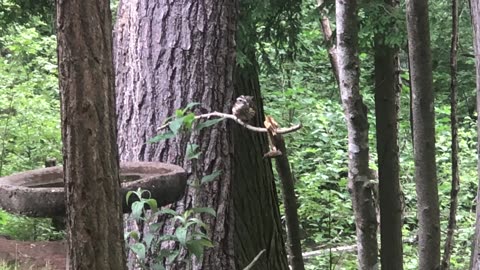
[(382, 173)]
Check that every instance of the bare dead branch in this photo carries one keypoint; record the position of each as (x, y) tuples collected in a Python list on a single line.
[(240, 122), (252, 264)]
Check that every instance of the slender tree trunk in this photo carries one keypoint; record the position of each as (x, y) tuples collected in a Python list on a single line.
[(475, 13), (90, 155), (357, 123), (172, 54), (386, 113), (329, 40), (424, 134), (289, 203), (452, 223)]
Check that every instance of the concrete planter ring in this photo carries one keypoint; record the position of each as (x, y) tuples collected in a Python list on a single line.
[(40, 193)]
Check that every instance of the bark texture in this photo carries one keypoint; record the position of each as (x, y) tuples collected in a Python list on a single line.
[(290, 203), (386, 113), (168, 54), (257, 217), (91, 167), (357, 125), (475, 13), (329, 39), (424, 134), (452, 222)]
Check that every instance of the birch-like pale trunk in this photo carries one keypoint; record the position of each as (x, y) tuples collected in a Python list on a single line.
[(359, 185)]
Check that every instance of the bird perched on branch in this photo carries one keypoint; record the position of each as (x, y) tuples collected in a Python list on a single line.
[(244, 108)]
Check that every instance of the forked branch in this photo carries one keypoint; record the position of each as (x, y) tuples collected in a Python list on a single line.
[(236, 119)]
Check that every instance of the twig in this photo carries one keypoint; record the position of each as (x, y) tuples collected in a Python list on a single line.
[(247, 126), (348, 248), (254, 260)]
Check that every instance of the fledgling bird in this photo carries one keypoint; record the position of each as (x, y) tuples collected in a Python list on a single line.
[(244, 108)]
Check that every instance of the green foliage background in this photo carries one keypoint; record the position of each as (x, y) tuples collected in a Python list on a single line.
[(29, 112), (304, 90)]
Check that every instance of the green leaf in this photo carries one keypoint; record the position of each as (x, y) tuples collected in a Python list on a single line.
[(129, 193), (188, 120), (132, 234), (197, 246), (180, 218), (168, 211), (208, 123), (148, 238), (192, 151), (139, 249), (206, 210), (179, 113), (172, 256), (209, 178), (198, 222), (153, 204), (176, 124), (167, 237), (137, 209), (181, 234), (191, 105), (161, 137), (155, 227), (158, 266)]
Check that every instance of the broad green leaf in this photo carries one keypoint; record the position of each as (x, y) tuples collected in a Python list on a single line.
[(168, 211), (172, 256), (161, 137), (192, 151), (148, 238), (199, 222), (139, 249), (153, 204), (197, 246), (208, 123), (155, 227), (176, 124), (181, 234), (137, 209), (209, 178)]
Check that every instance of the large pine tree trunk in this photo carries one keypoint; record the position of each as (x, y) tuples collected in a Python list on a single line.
[(386, 113), (424, 133), (91, 168), (168, 55), (357, 124), (475, 13)]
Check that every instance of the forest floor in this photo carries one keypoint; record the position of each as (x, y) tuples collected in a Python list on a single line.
[(28, 255)]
